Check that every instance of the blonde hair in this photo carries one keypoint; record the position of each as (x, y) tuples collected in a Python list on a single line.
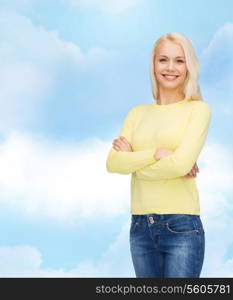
[(191, 87)]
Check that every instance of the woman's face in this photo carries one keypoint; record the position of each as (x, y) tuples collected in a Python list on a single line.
[(170, 60)]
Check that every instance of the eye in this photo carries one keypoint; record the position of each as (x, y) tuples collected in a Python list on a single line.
[(162, 59), (180, 61)]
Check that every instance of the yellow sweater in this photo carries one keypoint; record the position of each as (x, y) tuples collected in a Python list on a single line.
[(159, 186)]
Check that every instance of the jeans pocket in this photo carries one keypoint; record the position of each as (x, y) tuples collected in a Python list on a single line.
[(134, 223), (183, 225), (199, 225)]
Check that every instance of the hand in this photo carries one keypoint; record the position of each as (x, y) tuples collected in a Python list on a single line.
[(121, 144), (193, 171), (162, 152)]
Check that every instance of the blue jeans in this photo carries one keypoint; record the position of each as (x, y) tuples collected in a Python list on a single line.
[(169, 245)]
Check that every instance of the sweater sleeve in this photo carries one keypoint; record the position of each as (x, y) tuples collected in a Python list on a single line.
[(181, 161), (123, 162)]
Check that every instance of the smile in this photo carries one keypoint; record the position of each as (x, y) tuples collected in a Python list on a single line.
[(170, 77)]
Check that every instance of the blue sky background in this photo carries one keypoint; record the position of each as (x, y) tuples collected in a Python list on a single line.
[(69, 72)]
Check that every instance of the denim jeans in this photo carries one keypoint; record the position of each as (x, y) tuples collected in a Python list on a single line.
[(169, 245)]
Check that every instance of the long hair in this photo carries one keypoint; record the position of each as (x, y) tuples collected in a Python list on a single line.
[(191, 87)]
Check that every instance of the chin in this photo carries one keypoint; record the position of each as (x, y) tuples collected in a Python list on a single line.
[(172, 86)]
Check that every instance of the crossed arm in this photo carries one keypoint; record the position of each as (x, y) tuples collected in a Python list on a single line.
[(122, 144), (157, 164)]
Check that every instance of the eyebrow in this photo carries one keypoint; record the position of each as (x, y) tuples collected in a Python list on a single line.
[(176, 56)]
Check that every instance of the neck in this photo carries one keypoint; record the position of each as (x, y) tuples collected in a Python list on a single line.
[(167, 96)]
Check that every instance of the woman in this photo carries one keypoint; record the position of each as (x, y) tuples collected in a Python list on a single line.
[(159, 145)]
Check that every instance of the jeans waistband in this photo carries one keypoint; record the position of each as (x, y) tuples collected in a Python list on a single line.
[(163, 218)]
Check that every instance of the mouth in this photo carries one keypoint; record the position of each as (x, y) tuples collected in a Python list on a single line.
[(170, 77)]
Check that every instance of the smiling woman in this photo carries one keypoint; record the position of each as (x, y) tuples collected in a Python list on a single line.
[(170, 71), (174, 55), (159, 145)]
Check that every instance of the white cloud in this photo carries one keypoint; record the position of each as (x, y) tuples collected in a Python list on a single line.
[(21, 40), (116, 261), (215, 179), (219, 241), (26, 261), (19, 261), (220, 38), (32, 59), (217, 71), (215, 188), (110, 7), (63, 181), (67, 180), (22, 85)]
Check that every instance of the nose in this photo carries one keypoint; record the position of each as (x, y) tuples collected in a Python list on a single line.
[(170, 66)]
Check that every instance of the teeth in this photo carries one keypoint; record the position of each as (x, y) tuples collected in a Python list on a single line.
[(170, 76)]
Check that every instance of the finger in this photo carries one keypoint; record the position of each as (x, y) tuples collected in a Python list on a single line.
[(117, 145), (118, 142), (192, 173), (126, 144), (116, 148), (115, 142), (118, 139), (121, 145), (124, 140)]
